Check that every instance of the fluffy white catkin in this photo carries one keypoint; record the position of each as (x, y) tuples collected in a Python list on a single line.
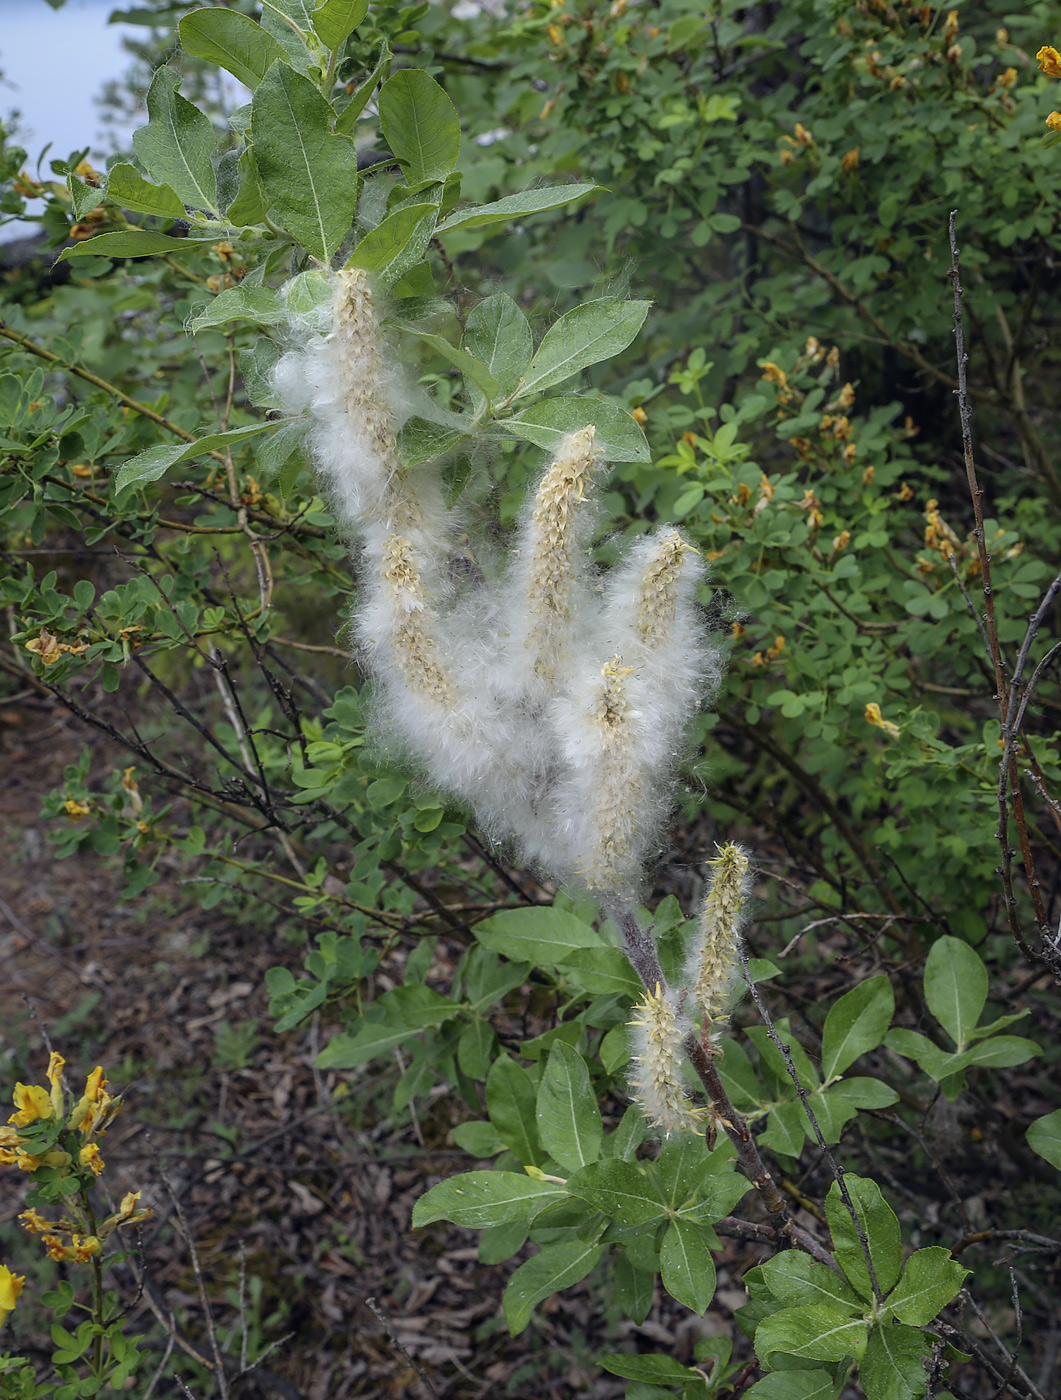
[(657, 1032), (711, 968)]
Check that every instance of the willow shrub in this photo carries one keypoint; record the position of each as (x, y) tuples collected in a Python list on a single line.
[(217, 247)]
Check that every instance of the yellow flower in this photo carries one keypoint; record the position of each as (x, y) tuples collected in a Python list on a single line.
[(803, 136), (46, 646), (36, 1224), (773, 373), (1049, 61), (76, 811), (640, 415), (1053, 121), (850, 162), (96, 1107), (80, 1249), (874, 717), (55, 1079), (90, 1157), (1007, 78), (32, 1103), (10, 1287)]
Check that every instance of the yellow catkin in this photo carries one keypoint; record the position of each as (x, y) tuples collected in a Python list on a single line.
[(617, 784), (412, 642), (658, 1084), (719, 931), (553, 546), (657, 597), (358, 340)]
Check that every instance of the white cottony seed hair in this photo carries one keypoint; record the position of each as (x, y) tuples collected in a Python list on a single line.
[(553, 704)]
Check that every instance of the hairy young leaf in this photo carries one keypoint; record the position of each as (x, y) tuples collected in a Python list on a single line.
[(244, 303), (930, 1279), (420, 125), (793, 1385), (481, 1199), (127, 188), (309, 174), (499, 335), (396, 244), (569, 1117), (232, 40), (471, 367), (516, 206), (955, 987), (136, 243), (557, 1267), (546, 424), (595, 331), (880, 1226), (155, 462), (816, 1332), (686, 1266), (856, 1023), (178, 143), (347, 118)]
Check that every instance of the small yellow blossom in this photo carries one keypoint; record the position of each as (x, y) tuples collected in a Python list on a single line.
[(905, 492), (640, 416), (76, 811), (867, 476), (775, 374), (556, 35), (737, 630), (775, 651), (90, 1157), (950, 31), (787, 157), (1007, 78), (1049, 61), (1053, 121), (31, 1103), (874, 717), (850, 162), (79, 1251), (803, 136), (55, 1079), (10, 1287), (842, 540), (850, 452), (757, 660), (35, 1223), (131, 789)]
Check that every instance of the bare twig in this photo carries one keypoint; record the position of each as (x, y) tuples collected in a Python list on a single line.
[(378, 1314)]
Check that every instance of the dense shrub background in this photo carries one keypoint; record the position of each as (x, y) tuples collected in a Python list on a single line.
[(777, 178)]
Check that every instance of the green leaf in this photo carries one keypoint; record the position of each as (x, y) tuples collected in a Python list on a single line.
[(420, 124), (619, 1189), (405, 1012), (1044, 1137), (663, 1370), (793, 1385), (475, 1049), (541, 935), (686, 1266), (516, 206), (499, 335), (880, 1226), (795, 1279), (839, 1103), (308, 172), (481, 1199), (250, 205), (136, 243), (478, 1138), (815, 1332), (469, 365), (420, 441), (1001, 1051), (936, 1063), (397, 244), (83, 196), (891, 1368), (155, 462), (602, 972), (244, 303), (231, 40), (347, 118), (955, 987), (178, 143), (557, 1267), (930, 1279), (127, 188), (546, 424), (632, 1289), (336, 20), (858, 1022), (595, 331), (568, 1115), (511, 1102)]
